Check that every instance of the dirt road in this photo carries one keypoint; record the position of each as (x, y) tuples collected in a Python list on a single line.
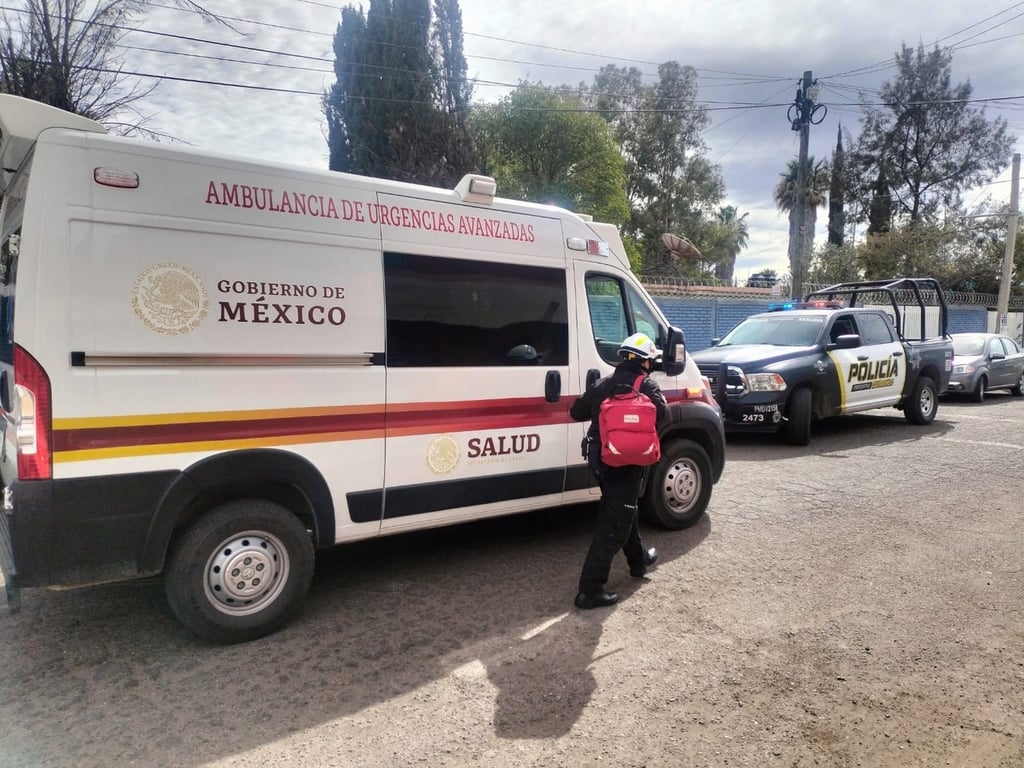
[(859, 602)]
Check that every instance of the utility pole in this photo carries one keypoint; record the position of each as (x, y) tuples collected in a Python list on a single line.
[(802, 112), (1003, 301)]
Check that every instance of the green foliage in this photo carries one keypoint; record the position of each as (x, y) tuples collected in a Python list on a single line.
[(786, 195), (726, 238), (636, 256), (398, 107), (540, 146), (964, 254), (919, 152), (832, 264), (671, 185), (764, 278)]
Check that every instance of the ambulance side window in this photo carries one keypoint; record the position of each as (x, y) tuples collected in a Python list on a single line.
[(462, 312)]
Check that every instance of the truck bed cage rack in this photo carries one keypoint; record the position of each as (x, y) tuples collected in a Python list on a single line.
[(921, 291)]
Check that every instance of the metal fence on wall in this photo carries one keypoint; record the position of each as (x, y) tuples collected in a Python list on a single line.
[(725, 289), (706, 310)]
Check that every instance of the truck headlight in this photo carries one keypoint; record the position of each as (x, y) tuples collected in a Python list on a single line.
[(765, 382)]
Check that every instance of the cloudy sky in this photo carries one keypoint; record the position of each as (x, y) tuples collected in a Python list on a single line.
[(255, 90)]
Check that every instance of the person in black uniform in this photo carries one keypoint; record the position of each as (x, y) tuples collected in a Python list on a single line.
[(617, 520)]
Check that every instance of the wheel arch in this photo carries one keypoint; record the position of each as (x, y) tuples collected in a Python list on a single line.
[(699, 422), (821, 408), (932, 372), (271, 474)]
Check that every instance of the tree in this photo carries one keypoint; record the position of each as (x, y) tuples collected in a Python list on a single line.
[(541, 146), (730, 238), (671, 185), (763, 279), (786, 196), (455, 91), (56, 53), (836, 192), (918, 152), (833, 263), (964, 254), (397, 109)]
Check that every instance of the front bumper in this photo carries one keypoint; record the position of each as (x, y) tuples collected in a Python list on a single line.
[(960, 385), (753, 414)]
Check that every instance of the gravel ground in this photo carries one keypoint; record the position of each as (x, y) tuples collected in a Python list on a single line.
[(859, 602)]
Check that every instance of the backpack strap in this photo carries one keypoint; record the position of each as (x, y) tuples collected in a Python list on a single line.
[(638, 382)]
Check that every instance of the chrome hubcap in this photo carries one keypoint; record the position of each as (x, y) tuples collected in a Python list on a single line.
[(681, 486), (246, 572)]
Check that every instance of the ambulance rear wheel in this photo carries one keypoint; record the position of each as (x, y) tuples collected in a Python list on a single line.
[(923, 403), (239, 571), (678, 486)]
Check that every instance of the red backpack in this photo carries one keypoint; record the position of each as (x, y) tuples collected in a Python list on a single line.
[(628, 426)]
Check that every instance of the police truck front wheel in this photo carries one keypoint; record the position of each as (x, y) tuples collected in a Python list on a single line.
[(679, 486), (923, 403), (799, 417), (239, 571)]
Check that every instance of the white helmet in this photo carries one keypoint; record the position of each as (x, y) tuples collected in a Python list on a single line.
[(639, 344)]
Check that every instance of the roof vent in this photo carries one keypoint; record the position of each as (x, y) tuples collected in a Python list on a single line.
[(474, 188)]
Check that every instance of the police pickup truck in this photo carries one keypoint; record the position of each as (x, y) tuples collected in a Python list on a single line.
[(843, 349)]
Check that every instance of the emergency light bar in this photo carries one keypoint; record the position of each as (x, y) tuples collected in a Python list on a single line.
[(797, 304)]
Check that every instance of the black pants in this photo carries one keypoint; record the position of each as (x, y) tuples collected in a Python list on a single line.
[(617, 525)]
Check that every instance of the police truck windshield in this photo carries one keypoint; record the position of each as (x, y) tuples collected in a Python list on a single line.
[(783, 331)]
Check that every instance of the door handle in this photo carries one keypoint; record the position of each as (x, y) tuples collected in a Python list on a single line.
[(592, 376), (862, 357), (898, 353), (553, 386)]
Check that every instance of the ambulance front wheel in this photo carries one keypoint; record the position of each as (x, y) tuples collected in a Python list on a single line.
[(678, 486), (239, 571)]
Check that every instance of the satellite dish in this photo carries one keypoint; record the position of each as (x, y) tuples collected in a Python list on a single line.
[(680, 247)]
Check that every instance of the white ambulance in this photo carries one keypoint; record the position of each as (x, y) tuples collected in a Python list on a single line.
[(212, 367)]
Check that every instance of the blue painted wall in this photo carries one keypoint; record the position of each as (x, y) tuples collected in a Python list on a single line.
[(703, 319)]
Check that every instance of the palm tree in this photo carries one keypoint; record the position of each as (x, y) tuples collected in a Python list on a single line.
[(735, 235), (785, 196)]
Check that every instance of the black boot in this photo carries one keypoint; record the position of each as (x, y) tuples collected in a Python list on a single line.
[(587, 600), (650, 558)]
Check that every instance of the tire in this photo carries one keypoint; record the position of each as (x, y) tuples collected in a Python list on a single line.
[(798, 421), (252, 536), (679, 486), (923, 403), (978, 395), (1018, 390)]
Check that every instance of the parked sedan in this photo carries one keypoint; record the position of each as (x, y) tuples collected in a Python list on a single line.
[(986, 361)]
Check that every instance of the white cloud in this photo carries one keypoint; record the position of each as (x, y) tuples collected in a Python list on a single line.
[(747, 52)]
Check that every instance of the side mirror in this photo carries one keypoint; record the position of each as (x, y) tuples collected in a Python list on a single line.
[(847, 341), (673, 358)]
